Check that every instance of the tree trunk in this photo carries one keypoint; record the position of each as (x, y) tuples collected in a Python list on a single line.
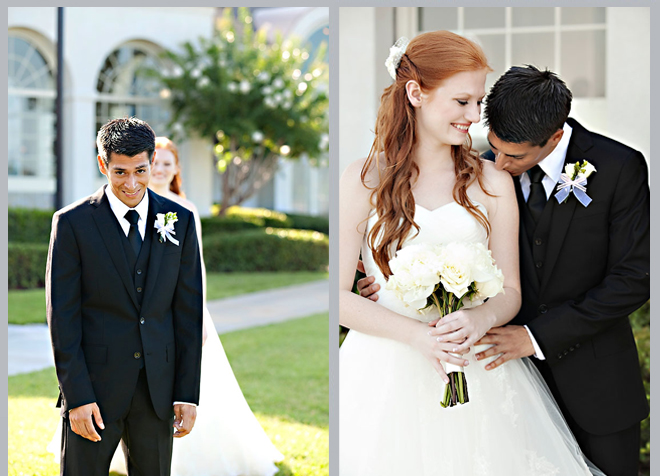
[(243, 177)]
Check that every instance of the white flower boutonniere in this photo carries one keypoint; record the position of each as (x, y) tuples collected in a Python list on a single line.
[(574, 179), (164, 225)]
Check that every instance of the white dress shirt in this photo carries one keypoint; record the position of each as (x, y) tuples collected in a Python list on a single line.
[(119, 208), (553, 166)]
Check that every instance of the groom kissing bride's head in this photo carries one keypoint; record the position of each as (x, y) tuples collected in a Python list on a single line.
[(525, 112)]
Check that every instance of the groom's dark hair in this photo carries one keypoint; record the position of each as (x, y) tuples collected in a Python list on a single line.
[(126, 136), (527, 105)]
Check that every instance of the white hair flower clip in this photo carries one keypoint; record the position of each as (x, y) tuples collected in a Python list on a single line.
[(396, 52)]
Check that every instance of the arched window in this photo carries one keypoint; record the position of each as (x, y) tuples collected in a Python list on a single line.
[(31, 115), (124, 91)]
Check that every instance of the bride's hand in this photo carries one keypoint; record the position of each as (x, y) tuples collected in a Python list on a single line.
[(462, 329), (435, 351)]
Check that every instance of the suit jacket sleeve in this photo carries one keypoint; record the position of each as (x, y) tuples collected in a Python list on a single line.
[(64, 314), (187, 308), (625, 287)]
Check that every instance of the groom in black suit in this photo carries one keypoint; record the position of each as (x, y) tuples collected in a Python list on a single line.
[(124, 307), (583, 269)]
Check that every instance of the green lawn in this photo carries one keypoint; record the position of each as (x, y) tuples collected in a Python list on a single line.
[(222, 285), (29, 306), (282, 369)]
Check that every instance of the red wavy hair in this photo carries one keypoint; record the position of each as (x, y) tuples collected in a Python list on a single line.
[(176, 183), (429, 59)]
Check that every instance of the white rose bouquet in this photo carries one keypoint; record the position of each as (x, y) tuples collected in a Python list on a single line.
[(446, 277)]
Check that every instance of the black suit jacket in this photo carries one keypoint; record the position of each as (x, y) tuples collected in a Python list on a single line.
[(593, 273), (101, 334)]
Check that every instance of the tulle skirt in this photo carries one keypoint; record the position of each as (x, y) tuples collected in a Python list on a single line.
[(391, 421), (227, 439)]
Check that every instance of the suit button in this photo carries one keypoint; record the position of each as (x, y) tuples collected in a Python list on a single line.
[(565, 352), (539, 264), (139, 290), (139, 271), (577, 346), (538, 241), (571, 349), (142, 320), (137, 355), (559, 356), (543, 309)]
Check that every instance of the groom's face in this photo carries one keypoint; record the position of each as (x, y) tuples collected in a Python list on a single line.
[(519, 158), (128, 177)]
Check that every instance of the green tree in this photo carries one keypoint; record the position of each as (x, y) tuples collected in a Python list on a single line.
[(256, 99)]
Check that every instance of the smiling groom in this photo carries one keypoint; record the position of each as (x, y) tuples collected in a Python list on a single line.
[(124, 308)]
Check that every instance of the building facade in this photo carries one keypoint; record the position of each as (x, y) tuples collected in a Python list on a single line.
[(103, 48)]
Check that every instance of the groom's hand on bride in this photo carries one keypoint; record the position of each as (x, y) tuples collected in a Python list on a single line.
[(82, 420), (512, 342), (184, 419), (366, 286)]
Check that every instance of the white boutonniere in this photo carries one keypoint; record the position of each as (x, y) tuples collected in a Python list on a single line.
[(574, 179), (164, 225)]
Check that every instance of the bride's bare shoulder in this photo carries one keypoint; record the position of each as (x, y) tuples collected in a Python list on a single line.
[(497, 181), (353, 174), (354, 190)]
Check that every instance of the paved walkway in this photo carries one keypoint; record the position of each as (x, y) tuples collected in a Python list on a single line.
[(29, 346)]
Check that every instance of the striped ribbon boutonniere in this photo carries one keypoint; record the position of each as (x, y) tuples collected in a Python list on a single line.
[(574, 179)]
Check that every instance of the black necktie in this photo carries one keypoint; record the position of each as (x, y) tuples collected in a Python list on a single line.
[(537, 197), (134, 237)]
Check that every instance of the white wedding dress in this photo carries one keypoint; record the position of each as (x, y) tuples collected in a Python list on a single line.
[(227, 439), (390, 418)]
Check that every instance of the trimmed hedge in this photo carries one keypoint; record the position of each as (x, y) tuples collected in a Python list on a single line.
[(28, 225), (230, 224), (309, 222), (268, 249), (262, 217), (26, 265), (215, 225)]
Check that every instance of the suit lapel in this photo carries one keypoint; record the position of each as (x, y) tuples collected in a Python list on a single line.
[(157, 248), (562, 214), (106, 222)]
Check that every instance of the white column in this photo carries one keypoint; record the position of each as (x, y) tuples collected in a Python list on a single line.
[(80, 174), (197, 169), (357, 95), (406, 22), (628, 86), (312, 189), (284, 184)]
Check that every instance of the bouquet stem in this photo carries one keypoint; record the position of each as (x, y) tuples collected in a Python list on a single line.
[(455, 391)]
